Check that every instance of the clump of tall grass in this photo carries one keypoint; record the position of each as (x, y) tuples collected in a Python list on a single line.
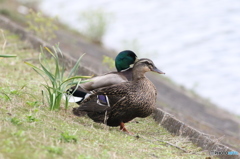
[(56, 80), (95, 24)]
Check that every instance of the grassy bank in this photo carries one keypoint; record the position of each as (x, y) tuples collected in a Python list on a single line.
[(29, 130)]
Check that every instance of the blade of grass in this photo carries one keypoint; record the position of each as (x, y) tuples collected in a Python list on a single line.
[(58, 72), (46, 72), (49, 51), (39, 71), (8, 98), (8, 56), (74, 69)]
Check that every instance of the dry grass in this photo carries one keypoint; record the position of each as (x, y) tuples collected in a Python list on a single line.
[(29, 130)]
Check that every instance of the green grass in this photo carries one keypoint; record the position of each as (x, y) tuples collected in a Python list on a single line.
[(57, 79), (29, 130)]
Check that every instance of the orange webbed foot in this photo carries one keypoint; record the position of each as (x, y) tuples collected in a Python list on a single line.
[(122, 128)]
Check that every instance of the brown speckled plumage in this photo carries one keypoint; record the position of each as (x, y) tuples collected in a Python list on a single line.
[(136, 98)]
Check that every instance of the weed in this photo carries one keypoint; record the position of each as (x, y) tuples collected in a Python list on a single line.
[(33, 103), (95, 24), (108, 61), (5, 96), (15, 92), (57, 85), (16, 121), (42, 26), (19, 133), (54, 150), (66, 137), (31, 119), (84, 156)]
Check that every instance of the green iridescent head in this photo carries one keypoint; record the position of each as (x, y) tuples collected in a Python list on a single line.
[(124, 59)]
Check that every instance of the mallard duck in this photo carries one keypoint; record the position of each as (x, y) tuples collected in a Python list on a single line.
[(136, 98), (123, 62)]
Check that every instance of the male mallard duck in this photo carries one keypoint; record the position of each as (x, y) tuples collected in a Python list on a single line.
[(136, 98), (123, 62)]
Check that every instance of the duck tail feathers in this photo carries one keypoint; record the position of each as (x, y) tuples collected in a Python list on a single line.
[(76, 95)]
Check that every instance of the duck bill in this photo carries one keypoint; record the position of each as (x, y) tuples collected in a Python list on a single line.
[(158, 71)]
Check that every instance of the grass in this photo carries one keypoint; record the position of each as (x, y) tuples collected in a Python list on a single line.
[(41, 25), (56, 78), (29, 130)]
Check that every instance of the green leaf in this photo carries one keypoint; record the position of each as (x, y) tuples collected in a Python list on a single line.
[(74, 69), (49, 74), (8, 56)]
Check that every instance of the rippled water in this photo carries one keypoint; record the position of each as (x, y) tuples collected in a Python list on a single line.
[(196, 42)]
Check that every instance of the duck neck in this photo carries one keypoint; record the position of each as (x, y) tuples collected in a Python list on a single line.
[(138, 74)]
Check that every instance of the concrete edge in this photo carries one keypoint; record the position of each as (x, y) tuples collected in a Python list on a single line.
[(166, 120), (205, 141)]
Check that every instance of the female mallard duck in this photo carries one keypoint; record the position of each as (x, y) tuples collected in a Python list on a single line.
[(123, 62), (136, 98)]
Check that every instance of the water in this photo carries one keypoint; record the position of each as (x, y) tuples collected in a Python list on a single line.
[(196, 42)]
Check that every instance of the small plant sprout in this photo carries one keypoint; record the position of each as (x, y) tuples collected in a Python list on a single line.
[(16, 121), (54, 150), (66, 137), (56, 83), (31, 119)]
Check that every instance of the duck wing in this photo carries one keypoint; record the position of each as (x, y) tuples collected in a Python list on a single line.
[(114, 93), (104, 81), (78, 94), (91, 105), (116, 89)]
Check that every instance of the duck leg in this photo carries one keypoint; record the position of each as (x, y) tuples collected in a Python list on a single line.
[(122, 128)]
